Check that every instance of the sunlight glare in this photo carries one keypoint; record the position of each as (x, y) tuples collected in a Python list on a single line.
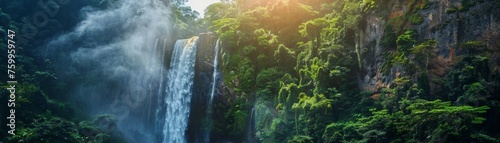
[(200, 5)]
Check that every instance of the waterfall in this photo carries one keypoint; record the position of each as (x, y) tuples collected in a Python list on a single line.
[(159, 116), (212, 93), (214, 76), (251, 127), (178, 91), (122, 62)]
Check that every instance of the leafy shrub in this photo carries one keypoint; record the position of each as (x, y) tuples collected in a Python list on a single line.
[(451, 10), (301, 139), (466, 4), (419, 120), (416, 19)]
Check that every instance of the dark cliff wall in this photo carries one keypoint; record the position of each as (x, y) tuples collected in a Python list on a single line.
[(197, 125), (450, 22)]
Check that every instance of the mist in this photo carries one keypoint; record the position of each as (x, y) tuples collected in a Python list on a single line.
[(114, 58)]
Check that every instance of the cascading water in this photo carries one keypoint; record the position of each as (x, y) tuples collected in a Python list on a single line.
[(212, 93), (114, 59), (159, 114), (251, 127), (130, 69), (178, 91), (214, 76)]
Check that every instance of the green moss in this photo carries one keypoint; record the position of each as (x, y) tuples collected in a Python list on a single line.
[(472, 44), (466, 4), (451, 10), (388, 41), (484, 138), (427, 5), (398, 23), (416, 19), (301, 139), (406, 41), (473, 47)]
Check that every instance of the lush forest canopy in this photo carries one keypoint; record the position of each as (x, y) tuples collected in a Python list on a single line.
[(298, 64)]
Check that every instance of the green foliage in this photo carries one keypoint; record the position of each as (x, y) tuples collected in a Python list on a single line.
[(474, 93), (406, 41), (301, 139), (424, 83), (218, 11), (236, 119), (314, 103), (424, 52), (484, 138), (451, 121), (473, 47), (302, 60), (312, 27), (240, 122), (410, 15), (416, 19), (4, 21), (398, 23), (265, 37), (389, 38), (342, 132), (226, 24), (468, 80), (44, 112), (54, 129), (286, 56), (268, 80), (466, 4), (426, 4), (451, 10), (405, 45), (278, 128), (420, 120), (472, 44), (185, 21)]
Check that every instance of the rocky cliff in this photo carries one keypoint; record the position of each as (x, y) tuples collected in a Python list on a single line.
[(451, 23)]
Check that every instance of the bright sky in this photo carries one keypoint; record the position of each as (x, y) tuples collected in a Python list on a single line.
[(200, 5)]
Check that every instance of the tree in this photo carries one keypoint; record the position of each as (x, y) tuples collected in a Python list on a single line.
[(218, 11), (424, 52)]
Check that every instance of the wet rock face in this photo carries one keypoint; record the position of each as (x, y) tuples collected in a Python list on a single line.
[(371, 36), (479, 22), (203, 78), (201, 87)]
